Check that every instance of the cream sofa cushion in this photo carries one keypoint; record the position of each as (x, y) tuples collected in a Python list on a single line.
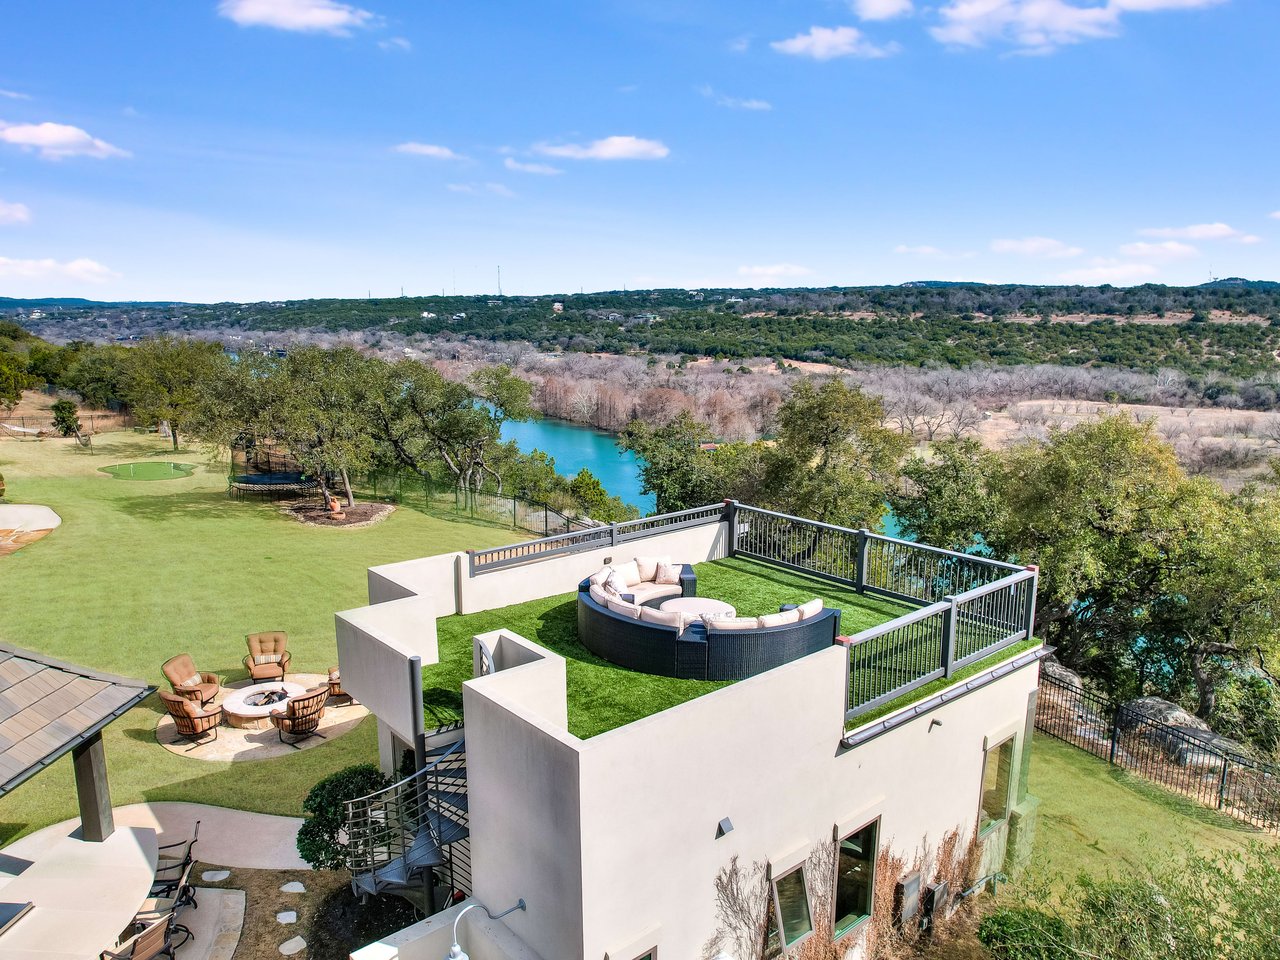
[(626, 609), (667, 572), (598, 578), (599, 596), (629, 572), (648, 567), (645, 592), (811, 609), (668, 618), (615, 583), (780, 619), (720, 622)]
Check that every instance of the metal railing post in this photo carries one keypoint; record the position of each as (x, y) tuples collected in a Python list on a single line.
[(613, 534), (1222, 782), (1029, 615), (1115, 735), (948, 663), (731, 515), (860, 567)]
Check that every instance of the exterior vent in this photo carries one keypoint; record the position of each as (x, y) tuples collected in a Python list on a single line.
[(936, 904), (906, 900)]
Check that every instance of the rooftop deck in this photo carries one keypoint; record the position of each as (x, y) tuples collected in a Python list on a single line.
[(603, 696)]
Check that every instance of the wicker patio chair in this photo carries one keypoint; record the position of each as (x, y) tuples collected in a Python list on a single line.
[(301, 717), (189, 682), (192, 721), (153, 940), (268, 657)]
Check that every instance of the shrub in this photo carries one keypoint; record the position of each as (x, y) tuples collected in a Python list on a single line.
[(65, 418), (318, 837), (1023, 933)]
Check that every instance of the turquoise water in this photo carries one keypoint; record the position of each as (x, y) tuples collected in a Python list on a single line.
[(573, 447)]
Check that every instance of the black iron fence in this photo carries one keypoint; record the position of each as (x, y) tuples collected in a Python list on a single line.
[(1175, 758)]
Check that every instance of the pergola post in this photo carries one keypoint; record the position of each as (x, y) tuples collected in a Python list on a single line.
[(90, 762)]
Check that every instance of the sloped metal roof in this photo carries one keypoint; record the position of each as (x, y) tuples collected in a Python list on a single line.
[(48, 707)]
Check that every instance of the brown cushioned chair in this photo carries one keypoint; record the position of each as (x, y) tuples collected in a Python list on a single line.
[(301, 717), (192, 721), (189, 682), (268, 657)]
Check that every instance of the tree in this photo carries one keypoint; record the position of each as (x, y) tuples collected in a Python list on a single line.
[(320, 838), (65, 419), (314, 402), (947, 501), (13, 380), (164, 380), (833, 460), (674, 466), (425, 419), (592, 498)]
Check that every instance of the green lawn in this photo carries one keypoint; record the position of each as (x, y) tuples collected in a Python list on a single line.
[(139, 571), (603, 696), (1096, 818)]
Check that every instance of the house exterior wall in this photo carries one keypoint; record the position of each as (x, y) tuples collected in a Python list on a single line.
[(612, 840), (446, 579)]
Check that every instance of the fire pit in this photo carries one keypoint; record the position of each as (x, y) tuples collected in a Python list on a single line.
[(249, 706)]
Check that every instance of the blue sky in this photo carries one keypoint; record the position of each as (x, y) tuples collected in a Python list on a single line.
[(264, 149)]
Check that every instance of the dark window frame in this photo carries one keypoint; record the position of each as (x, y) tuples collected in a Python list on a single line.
[(837, 932), (776, 906), (1009, 743)]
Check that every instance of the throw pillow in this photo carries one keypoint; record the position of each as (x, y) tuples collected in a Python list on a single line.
[(648, 567), (811, 609), (262, 658), (191, 708), (615, 583), (667, 572), (629, 572), (600, 576), (626, 609), (191, 681)]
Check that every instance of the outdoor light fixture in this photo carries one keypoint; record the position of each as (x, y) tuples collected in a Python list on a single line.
[(456, 952), (723, 827)]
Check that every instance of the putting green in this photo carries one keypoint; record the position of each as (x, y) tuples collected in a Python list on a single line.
[(150, 470)]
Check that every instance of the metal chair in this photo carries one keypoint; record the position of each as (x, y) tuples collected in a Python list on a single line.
[(301, 717), (189, 682), (268, 656), (153, 940), (192, 721)]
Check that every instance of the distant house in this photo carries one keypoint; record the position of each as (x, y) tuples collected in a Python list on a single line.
[(697, 295), (614, 317), (427, 315), (459, 316), (557, 307), (734, 300)]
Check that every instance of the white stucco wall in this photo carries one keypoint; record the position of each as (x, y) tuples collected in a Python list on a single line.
[(613, 838), (445, 577), (480, 937)]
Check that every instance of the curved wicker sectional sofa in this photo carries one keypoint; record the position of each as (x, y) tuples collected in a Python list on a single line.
[(697, 652)]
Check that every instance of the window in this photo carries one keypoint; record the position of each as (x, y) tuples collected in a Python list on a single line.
[(791, 912), (996, 768), (855, 878)]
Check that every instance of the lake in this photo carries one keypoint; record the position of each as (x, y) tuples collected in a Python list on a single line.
[(573, 447)]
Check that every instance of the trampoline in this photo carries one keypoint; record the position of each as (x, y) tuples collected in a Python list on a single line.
[(282, 483), (149, 470)]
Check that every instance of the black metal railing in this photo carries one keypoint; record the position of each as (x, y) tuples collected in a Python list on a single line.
[(1176, 759)]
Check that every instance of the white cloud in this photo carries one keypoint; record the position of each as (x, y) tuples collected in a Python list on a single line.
[(610, 148), (1042, 247), (302, 16), (14, 95), (1168, 249), (1276, 215), (1201, 231), (774, 271), (827, 43), (733, 103), (81, 269), (1039, 26), (542, 169), (494, 189), (1110, 271), (54, 141), (395, 43), (881, 9), (432, 150), (14, 213)]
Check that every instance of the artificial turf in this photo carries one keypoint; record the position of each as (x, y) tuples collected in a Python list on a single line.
[(602, 696), (140, 571)]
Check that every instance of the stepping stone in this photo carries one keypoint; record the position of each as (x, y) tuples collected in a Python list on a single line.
[(293, 886), (290, 947), (215, 876), (287, 916)]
